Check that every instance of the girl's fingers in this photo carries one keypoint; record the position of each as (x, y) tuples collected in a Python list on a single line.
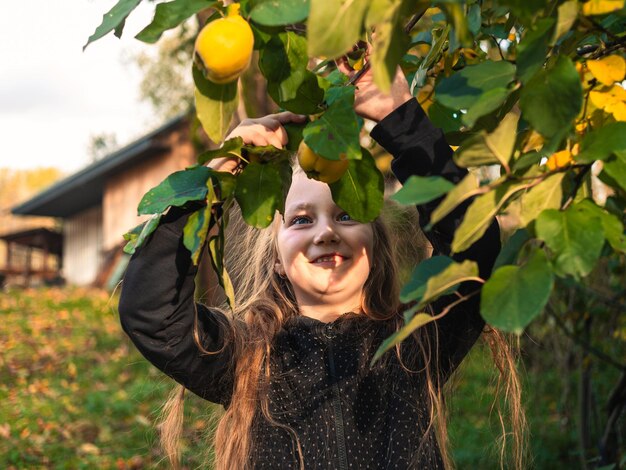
[(274, 139), (281, 134)]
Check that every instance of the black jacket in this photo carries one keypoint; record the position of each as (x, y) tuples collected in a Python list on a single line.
[(345, 414)]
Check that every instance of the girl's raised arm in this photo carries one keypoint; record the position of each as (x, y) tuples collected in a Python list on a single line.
[(158, 312), (157, 307), (419, 148)]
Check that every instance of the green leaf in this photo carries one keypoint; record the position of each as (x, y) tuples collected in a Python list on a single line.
[(480, 214), (455, 14), (416, 322), (333, 28), (259, 193), (360, 190), (415, 288), (552, 98), (138, 235), (335, 134), (611, 224), (485, 149), (195, 232), (463, 89), (514, 295), (215, 105), (448, 120), (465, 189), (474, 18), (231, 147), (283, 61), (113, 20), (267, 153), (216, 250), (391, 41), (439, 39), (421, 189), (546, 195), (603, 142), (294, 134), (309, 95), (615, 167), (512, 247), (177, 189), (279, 12), (227, 182), (532, 50), (487, 102), (442, 282), (574, 238), (169, 15), (567, 14)]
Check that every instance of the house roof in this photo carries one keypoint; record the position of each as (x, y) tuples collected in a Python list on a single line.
[(41, 237), (84, 189)]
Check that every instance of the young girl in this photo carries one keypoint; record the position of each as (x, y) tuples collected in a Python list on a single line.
[(318, 295)]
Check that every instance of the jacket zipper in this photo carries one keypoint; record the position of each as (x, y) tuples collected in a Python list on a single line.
[(339, 425)]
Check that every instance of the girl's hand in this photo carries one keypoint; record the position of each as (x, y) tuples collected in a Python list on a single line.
[(267, 130), (369, 101)]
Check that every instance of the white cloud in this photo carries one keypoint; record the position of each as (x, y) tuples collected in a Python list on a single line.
[(53, 96)]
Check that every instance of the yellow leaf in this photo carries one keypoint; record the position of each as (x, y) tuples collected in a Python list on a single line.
[(559, 159), (601, 7), (618, 110), (612, 101), (608, 70)]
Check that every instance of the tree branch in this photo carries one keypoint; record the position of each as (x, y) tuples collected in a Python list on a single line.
[(584, 344)]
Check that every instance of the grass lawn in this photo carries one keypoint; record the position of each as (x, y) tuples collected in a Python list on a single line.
[(74, 391)]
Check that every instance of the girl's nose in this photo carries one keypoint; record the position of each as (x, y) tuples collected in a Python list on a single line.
[(326, 234)]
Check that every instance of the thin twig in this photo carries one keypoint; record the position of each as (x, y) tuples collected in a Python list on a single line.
[(584, 344), (407, 29)]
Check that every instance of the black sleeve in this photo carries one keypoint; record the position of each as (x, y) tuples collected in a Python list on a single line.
[(419, 148), (158, 311)]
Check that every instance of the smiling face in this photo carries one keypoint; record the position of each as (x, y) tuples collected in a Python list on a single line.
[(324, 254)]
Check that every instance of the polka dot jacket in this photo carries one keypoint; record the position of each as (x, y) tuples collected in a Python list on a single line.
[(345, 414)]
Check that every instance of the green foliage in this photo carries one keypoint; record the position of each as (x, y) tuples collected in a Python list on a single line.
[(260, 193), (553, 97), (176, 190), (335, 135), (574, 238), (514, 295), (421, 189), (414, 289), (215, 105), (478, 89), (169, 15), (136, 236), (360, 190), (113, 20), (279, 12)]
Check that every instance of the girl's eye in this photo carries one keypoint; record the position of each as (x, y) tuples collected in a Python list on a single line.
[(344, 217), (300, 220)]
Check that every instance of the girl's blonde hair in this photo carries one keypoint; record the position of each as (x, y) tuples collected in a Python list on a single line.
[(265, 301)]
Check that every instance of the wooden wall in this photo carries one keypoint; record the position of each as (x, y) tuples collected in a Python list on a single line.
[(82, 246), (123, 192)]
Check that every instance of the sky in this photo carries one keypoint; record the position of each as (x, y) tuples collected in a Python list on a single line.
[(54, 96)]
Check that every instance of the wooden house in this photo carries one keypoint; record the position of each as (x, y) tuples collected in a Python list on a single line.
[(98, 204)]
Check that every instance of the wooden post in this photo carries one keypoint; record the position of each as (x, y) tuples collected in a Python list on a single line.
[(9, 254), (28, 266)]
